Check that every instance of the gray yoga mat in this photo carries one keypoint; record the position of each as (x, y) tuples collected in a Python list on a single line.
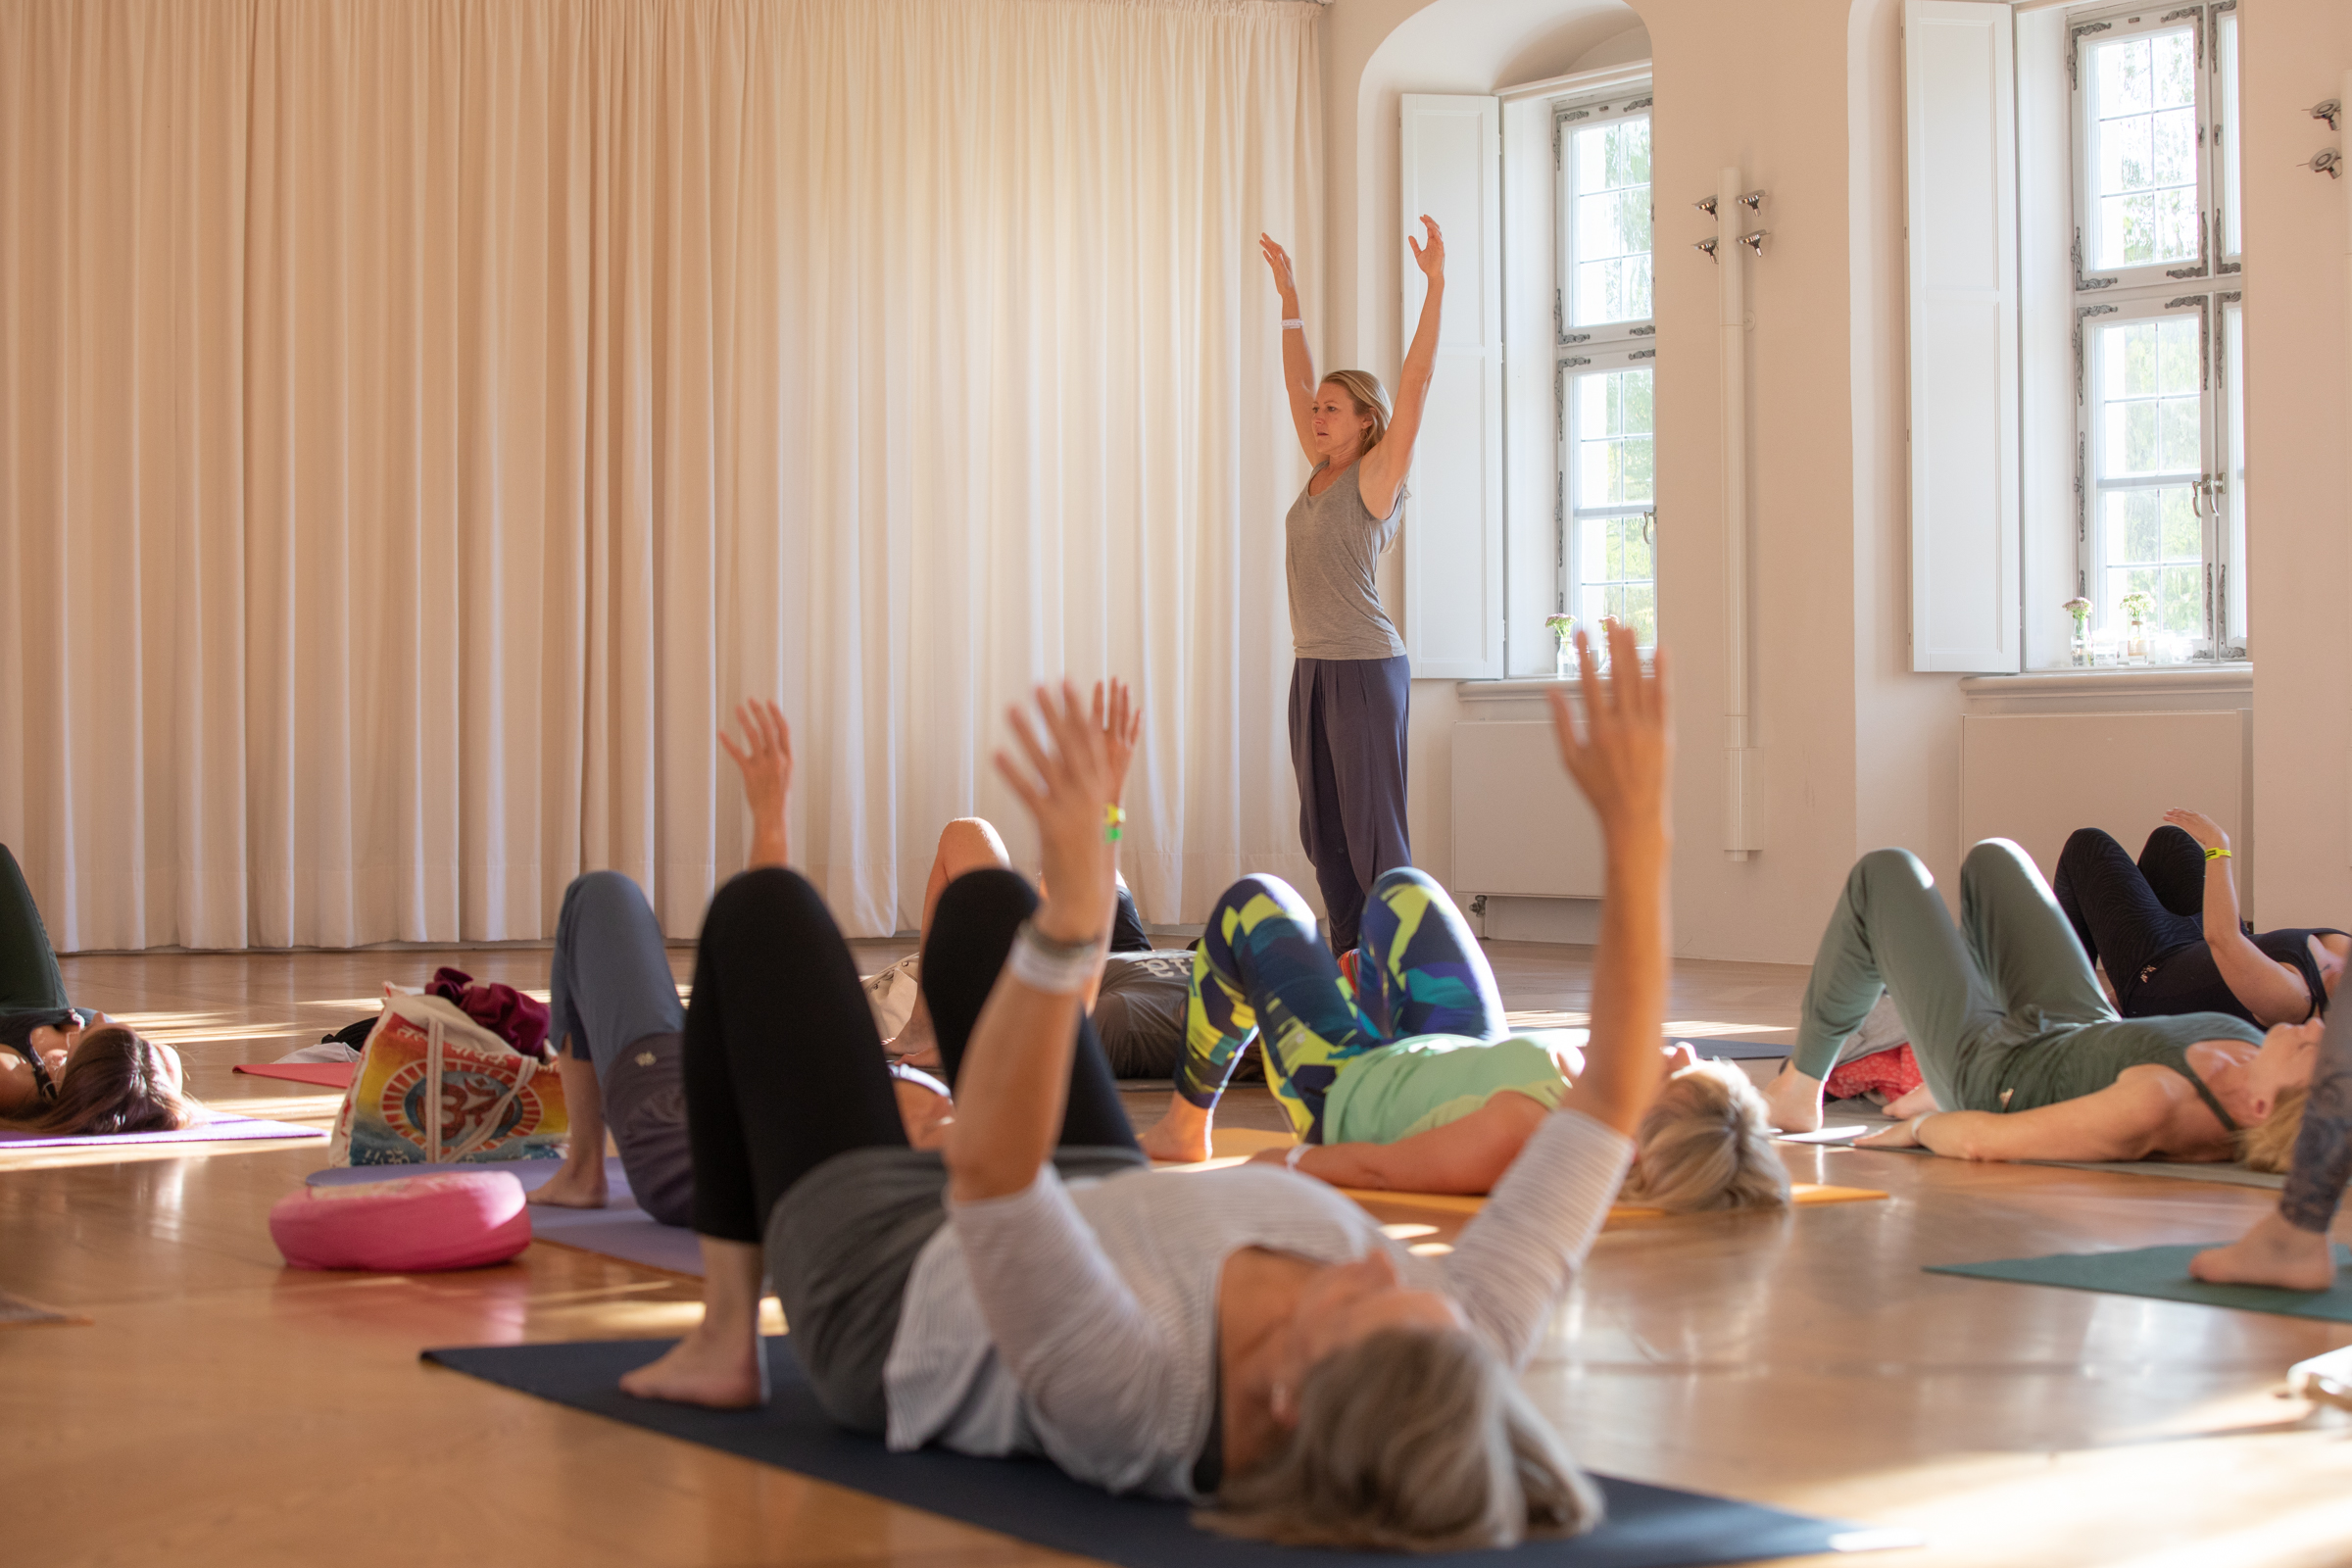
[(1725, 1049), (1648, 1526), (2161, 1272), (620, 1229)]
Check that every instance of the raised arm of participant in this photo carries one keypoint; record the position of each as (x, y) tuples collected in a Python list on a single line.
[(1298, 359), (1384, 468), (1622, 760), (1014, 1077), (2269, 992), (1516, 1255), (766, 760)]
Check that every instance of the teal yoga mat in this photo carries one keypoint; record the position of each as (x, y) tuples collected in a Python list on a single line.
[(1647, 1526), (2163, 1273)]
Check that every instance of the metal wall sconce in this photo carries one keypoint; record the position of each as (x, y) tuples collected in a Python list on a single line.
[(1753, 201), (1707, 245), (1755, 241), (2328, 111), (1707, 206), (2326, 161)]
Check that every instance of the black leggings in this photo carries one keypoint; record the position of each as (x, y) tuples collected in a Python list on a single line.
[(783, 1067), (2132, 916), (32, 993)]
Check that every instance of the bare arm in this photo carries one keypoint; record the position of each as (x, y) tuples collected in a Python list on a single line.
[(1468, 1155), (2270, 991), (1298, 359), (766, 760), (1014, 1076), (1384, 468), (1623, 762), (2125, 1120)]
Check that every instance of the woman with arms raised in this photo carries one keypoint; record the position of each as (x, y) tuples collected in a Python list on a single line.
[(1352, 684), (2014, 1038), (1245, 1337)]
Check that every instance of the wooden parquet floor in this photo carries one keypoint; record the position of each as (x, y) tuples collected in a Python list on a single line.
[(220, 1408)]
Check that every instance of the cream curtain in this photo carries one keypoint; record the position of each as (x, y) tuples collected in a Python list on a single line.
[(421, 420)]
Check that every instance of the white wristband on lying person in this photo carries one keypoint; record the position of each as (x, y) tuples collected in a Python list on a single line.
[(1057, 968)]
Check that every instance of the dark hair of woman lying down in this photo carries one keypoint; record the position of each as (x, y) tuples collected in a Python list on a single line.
[(1242, 1338)]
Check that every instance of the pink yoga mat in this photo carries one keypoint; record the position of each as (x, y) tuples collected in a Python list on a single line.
[(325, 1074), (219, 1129)]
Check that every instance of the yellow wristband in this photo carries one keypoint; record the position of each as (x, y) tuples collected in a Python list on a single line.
[(2216, 852)]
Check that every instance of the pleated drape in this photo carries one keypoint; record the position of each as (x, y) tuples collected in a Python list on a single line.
[(421, 420)]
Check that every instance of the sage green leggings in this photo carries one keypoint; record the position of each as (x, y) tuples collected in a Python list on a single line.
[(2005, 979), (32, 993)]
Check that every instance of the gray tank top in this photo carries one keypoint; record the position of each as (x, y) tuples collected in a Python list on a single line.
[(1330, 544)]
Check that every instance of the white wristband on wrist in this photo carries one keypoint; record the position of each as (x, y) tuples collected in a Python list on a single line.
[(1292, 324), (1294, 1155), (1042, 964)]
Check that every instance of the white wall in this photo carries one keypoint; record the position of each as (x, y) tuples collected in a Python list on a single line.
[(1859, 751), (2298, 433)]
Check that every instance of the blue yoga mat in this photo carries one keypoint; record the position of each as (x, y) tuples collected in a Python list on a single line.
[(1648, 1526), (1713, 1048), (2161, 1272)]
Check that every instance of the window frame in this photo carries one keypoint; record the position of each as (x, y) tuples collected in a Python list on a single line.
[(1596, 348), (2208, 285)]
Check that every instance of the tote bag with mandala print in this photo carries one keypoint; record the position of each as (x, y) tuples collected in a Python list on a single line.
[(435, 1088)]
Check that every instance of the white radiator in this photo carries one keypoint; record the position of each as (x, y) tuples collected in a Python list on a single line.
[(1520, 828)]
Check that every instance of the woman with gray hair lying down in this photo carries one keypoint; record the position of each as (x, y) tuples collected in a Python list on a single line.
[(1242, 1338), (2019, 1045)]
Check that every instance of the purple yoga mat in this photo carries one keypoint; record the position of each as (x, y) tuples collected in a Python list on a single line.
[(218, 1130), (620, 1230)]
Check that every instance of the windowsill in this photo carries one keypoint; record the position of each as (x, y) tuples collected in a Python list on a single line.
[(1515, 686), (2116, 681)]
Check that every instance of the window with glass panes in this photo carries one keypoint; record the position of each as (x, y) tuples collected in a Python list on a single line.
[(1606, 515), (2158, 279)]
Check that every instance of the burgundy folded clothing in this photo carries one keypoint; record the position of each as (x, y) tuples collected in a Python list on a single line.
[(499, 1008)]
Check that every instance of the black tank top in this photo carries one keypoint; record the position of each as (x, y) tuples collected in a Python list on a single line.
[(2188, 980)]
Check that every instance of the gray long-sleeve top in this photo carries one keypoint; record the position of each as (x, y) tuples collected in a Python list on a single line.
[(1079, 1321)]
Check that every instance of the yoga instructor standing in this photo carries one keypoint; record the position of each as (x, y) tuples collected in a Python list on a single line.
[(1351, 687)]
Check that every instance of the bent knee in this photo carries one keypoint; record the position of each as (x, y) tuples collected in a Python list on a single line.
[(596, 892), (2001, 858), (970, 844), (990, 897), (1407, 876), (1891, 867)]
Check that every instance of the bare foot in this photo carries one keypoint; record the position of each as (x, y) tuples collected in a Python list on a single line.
[(723, 1371), (2273, 1253), (1912, 1102), (1795, 1101), (1180, 1135), (573, 1187)]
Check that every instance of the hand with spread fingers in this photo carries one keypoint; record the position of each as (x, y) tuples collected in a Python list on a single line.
[(766, 760), (1623, 754), (1121, 722), (1071, 786)]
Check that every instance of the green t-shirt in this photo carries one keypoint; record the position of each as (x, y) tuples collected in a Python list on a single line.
[(1429, 1080)]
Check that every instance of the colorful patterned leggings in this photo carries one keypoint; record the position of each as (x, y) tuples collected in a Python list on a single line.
[(1262, 971), (2324, 1149)]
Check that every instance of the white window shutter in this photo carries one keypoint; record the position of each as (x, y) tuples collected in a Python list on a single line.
[(1960, 135), (1453, 605)]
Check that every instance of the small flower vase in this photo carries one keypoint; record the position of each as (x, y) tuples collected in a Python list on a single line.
[(1563, 659), (2081, 648), (2137, 647)]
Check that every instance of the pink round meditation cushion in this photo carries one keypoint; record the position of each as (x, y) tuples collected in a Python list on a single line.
[(451, 1220)]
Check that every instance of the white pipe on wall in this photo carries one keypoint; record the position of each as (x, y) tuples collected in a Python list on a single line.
[(1739, 838)]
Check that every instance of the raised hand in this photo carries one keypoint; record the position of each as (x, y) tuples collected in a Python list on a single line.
[(1122, 726), (1624, 757), (765, 759), (1278, 261), (1428, 257), (1067, 786)]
